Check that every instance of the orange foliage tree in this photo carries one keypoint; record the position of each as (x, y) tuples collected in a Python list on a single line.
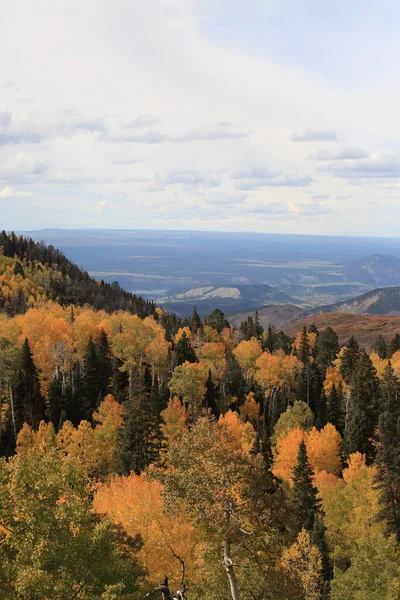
[(323, 449)]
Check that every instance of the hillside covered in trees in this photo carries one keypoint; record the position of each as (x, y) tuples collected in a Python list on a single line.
[(142, 455)]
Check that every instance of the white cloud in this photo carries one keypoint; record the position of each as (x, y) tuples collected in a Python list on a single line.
[(311, 135), (101, 205), (376, 167), (344, 154), (256, 178), (9, 192)]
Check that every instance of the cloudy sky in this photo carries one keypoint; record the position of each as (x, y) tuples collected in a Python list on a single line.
[(257, 115)]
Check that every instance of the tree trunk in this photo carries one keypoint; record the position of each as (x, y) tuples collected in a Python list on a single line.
[(12, 408), (230, 570)]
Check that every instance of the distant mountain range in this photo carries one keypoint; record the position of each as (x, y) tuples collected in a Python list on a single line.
[(377, 270), (367, 273), (380, 301), (226, 298)]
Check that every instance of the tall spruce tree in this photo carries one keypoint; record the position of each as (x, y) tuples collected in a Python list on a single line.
[(119, 381), (139, 437), (29, 403), (363, 406), (388, 455), (184, 350), (104, 364), (350, 356), (305, 502), (304, 351), (195, 322), (211, 396), (217, 320), (335, 408), (380, 347), (90, 381), (326, 349), (394, 345)]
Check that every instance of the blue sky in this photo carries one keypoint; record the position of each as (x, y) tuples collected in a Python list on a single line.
[(253, 115)]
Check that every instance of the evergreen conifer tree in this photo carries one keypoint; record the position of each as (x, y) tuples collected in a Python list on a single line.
[(195, 322), (350, 357), (362, 417), (305, 502), (119, 381), (210, 399), (29, 403), (217, 320), (304, 351), (326, 349), (139, 436), (388, 455), (184, 350), (104, 364), (380, 347), (394, 345), (335, 408), (90, 381)]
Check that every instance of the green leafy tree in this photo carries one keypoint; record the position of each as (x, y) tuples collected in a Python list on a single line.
[(52, 544)]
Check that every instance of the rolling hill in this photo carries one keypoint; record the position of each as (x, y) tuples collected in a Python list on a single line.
[(381, 301)]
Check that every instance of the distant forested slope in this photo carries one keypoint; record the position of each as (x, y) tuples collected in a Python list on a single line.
[(50, 274)]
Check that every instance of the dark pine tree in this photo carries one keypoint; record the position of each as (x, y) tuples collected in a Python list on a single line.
[(217, 320), (119, 381), (29, 403), (318, 538), (139, 436), (210, 399), (269, 342), (335, 408), (388, 455), (326, 349), (305, 502), (394, 345), (195, 322), (380, 347), (104, 365), (321, 411), (90, 381), (184, 350), (304, 351), (349, 360), (363, 406)]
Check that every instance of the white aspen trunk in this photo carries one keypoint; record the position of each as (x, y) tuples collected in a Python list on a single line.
[(230, 571), (130, 384), (12, 408)]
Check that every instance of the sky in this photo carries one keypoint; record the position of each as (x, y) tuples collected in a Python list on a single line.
[(225, 115)]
